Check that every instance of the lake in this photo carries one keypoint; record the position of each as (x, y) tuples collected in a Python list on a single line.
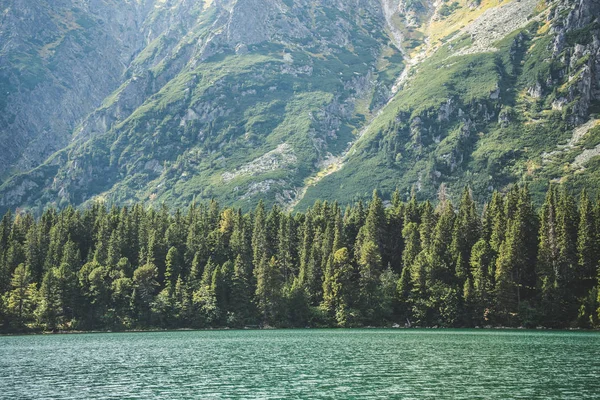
[(302, 364)]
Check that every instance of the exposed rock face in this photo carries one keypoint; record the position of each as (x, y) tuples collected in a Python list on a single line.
[(153, 101), (496, 23), (579, 32), (255, 21), (50, 80), (281, 157)]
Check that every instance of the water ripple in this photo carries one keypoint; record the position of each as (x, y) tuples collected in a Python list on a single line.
[(303, 364)]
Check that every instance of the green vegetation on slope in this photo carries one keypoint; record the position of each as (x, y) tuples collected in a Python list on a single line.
[(484, 119), (206, 128)]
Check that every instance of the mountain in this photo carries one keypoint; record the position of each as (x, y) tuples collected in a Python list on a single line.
[(290, 101), (58, 62), (495, 93)]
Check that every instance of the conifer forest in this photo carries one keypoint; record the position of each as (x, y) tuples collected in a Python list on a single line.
[(506, 263)]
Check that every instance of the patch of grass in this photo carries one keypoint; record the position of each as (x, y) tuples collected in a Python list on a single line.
[(591, 138)]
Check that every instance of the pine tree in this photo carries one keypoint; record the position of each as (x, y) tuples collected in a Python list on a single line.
[(268, 290), (338, 289), (173, 268), (587, 250), (482, 271), (260, 246), (465, 234), (21, 300), (441, 260), (49, 311)]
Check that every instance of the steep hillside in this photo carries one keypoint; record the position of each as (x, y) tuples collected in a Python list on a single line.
[(244, 101), (58, 61), (294, 100), (511, 95)]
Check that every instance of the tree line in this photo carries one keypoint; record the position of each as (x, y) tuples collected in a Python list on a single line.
[(375, 264)]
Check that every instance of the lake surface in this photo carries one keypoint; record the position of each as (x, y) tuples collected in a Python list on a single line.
[(302, 364)]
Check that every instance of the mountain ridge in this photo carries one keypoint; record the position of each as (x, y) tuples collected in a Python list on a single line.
[(291, 101)]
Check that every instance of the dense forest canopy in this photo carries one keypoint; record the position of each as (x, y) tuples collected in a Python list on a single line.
[(368, 265)]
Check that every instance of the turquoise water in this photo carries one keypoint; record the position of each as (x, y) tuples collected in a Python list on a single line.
[(302, 364)]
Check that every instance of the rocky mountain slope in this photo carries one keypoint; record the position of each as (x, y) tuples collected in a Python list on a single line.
[(58, 61), (497, 93), (293, 100)]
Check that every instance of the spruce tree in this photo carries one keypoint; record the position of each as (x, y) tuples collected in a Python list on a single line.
[(268, 290), (482, 271), (5, 235), (173, 268), (145, 286), (260, 245), (439, 251), (21, 300), (241, 293), (393, 238), (587, 250), (49, 311), (465, 234), (338, 289), (369, 266), (496, 222), (412, 248), (548, 264), (285, 248), (214, 267)]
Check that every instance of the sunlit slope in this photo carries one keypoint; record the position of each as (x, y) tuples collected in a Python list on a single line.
[(244, 103), (487, 114)]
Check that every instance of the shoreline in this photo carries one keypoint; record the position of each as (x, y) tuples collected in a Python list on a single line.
[(422, 328)]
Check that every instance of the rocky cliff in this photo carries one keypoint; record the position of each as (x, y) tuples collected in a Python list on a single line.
[(58, 61)]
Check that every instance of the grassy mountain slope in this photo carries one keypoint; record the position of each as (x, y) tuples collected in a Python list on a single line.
[(226, 108), (487, 112)]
